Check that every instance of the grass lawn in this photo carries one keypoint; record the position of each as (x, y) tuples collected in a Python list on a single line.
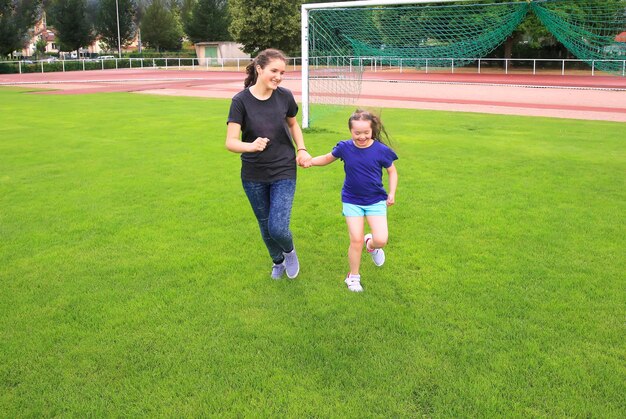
[(135, 283)]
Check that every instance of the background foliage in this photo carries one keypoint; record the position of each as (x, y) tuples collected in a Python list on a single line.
[(256, 24), (208, 20), (107, 22), (74, 24), (260, 24), (161, 27), (16, 18)]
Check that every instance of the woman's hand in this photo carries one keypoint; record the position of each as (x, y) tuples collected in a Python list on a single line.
[(391, 199), (259, 144), (303, 158)]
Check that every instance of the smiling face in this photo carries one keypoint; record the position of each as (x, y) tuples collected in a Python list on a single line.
[(361, 133), (270, 76)]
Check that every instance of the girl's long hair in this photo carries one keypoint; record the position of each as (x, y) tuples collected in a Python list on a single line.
[(262, 60), (378, 129)]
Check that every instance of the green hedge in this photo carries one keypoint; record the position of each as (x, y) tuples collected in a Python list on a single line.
[(95, 64), (8, 68)]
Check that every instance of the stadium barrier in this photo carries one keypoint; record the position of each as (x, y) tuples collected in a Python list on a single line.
[(54, 65), (478, 65), (375, 64)]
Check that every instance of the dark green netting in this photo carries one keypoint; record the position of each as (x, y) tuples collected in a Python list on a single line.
[(464, 32), (435, 32), (588, 29), (344, 40)]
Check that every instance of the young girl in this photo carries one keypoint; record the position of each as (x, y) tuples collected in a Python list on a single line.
[(262, 127), (363, 195)]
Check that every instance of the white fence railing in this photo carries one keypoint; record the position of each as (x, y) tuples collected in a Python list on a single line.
[(52, 65), (427, 65), (505, 65)]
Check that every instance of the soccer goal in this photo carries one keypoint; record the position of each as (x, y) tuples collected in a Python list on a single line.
[(341, 40)]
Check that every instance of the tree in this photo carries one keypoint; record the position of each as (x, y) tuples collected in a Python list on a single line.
[(185, 8), (532, 31), (161, 27), (16, 18), (260, 24), (73, 24), (40, 46), (600, 18), (208, 20), (142, 5), (107, 22)]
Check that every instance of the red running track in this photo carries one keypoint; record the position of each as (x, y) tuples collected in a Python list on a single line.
[(570, 96)]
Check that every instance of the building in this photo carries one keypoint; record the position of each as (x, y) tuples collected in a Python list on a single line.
[(218, 53), (42, 30)]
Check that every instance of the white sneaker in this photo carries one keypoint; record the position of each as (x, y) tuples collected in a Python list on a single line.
[(354, 283), (278, 270), (292, 265), (378, 255)]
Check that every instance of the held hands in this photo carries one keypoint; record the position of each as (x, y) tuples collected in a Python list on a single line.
[(304, 159), (259, 144), (391, 199)]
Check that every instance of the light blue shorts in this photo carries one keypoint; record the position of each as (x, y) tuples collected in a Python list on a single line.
[(352, 210)]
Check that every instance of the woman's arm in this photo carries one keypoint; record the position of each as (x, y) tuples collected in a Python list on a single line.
[(393, 184), (302, 155), (234, 144), (323, 160)]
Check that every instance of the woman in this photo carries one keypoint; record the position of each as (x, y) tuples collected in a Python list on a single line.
[(262, 127)]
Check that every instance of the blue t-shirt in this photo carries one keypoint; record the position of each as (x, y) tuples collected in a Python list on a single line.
[(364, 171)]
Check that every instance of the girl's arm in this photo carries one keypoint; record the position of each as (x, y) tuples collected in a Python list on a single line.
[(393, 184), (323, 160), (234, 144), (302, 156)]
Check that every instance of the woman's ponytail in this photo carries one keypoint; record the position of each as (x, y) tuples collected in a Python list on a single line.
[(251, 74)]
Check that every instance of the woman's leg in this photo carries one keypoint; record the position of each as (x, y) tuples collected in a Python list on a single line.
[(258, 194), (355, 229), (281, 202)]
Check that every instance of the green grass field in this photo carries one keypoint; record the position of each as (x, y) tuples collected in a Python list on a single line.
[(135, 283)]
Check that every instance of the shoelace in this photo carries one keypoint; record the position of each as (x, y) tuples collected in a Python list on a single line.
[(352, 282)]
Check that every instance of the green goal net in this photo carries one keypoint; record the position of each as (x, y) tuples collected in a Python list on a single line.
[(344, 39), (594, 31)]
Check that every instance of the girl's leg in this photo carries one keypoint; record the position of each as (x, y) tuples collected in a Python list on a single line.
[(380, 234), (281, 202), (258, 194), (355, 229)]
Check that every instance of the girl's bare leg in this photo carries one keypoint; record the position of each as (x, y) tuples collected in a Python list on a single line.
[(380, 234), (355, 229)]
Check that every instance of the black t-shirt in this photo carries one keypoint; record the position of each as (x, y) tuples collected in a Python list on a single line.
[(266, 118)]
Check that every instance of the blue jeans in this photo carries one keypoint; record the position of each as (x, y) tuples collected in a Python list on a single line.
[(271, 203)]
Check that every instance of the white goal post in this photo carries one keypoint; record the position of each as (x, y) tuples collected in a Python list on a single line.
[(305, 36)]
